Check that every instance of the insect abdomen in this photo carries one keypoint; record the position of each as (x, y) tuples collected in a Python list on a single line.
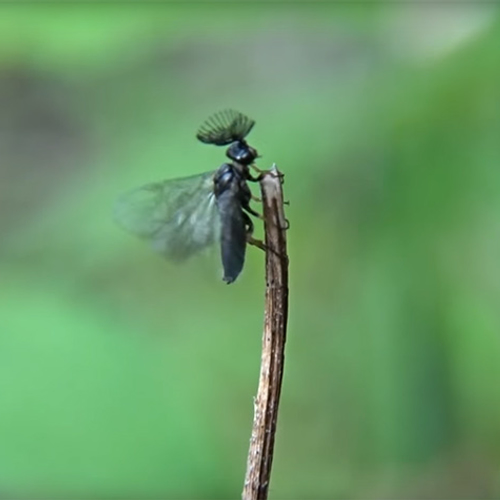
[(233, 235)]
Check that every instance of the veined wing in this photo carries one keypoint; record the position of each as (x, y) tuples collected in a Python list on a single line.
[(179, 216)]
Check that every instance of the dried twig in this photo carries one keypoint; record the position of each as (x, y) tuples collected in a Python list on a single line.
[(260, 455)]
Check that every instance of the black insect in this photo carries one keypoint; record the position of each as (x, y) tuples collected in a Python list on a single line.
[(183, 216)]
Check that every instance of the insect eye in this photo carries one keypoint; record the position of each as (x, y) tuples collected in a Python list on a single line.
[(241, 152)]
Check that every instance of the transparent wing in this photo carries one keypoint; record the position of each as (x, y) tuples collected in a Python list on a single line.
[(179, 216)]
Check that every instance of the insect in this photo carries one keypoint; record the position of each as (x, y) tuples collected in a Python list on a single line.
[(181, 217)]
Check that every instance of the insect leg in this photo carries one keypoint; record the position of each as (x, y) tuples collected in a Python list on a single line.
[(256, 243), (257, 169), (248, 223), (249, 228), (245, 203), (250, 239), (250, 177)]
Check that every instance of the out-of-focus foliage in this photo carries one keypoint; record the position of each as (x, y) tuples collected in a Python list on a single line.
[(125, 376)]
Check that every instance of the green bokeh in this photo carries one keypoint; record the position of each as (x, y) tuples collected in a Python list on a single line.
[(125, 376)]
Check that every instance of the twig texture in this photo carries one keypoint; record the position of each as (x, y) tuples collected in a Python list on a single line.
[(260, 455)]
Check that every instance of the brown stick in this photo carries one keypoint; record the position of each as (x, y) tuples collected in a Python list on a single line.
[(260, 454)]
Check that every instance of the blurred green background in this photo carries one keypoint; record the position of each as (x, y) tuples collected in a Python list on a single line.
[(125, 376)]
